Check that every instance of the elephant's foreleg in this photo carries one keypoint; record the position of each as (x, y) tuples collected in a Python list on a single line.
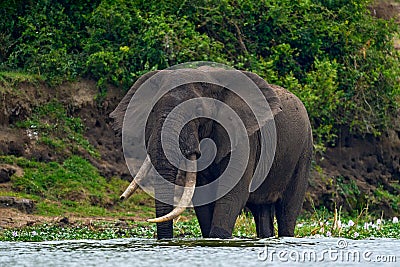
[(204, 212), (264, 219), (226, 212), (204, 216), (164, 229), (227, 209)]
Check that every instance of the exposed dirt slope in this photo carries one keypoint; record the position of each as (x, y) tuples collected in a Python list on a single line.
[(79, 100)]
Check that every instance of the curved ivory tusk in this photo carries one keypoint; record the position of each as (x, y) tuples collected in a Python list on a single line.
[(144, 169), (185, 199)]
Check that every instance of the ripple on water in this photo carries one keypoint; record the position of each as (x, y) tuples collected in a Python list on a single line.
[(200, 252)]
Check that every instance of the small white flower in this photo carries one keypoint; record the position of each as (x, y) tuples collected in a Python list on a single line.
[(395, 220), (378, 222), (327, 223), (34, 233), (366, 226), (356, 234), (339, 224), (328, 234), (350, 223), (300, 225)]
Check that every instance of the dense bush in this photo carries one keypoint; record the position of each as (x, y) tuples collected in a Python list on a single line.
[(333, 54)]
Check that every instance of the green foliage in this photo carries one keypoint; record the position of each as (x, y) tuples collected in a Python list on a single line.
[(51, 125), (74, 179), (383, 195), (349, 191), (321, 97), (10, 79), (334, 55), (73, 186), (47, 42)]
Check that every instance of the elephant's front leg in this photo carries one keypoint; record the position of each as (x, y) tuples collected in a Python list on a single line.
[(226, 212), (204, 215), (204, 200), (228, 208)]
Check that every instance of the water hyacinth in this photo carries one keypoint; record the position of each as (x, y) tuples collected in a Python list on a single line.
[(325, 226), (328, 234)]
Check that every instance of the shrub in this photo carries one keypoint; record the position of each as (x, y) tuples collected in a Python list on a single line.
[(334, 55)]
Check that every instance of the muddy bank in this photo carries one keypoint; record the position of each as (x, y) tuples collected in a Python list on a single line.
[(357, 172), (80, 99)]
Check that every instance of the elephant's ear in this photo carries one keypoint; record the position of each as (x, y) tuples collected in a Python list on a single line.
[(119, 112), (246, 114), (269, 94)]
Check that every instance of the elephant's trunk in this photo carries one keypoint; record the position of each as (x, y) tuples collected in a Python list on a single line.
[(144, 169), (190, 183)]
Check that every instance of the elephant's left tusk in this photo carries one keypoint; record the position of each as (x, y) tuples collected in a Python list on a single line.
[(144, 169), (185, 199)]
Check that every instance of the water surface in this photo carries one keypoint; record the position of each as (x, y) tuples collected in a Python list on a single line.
[(202, 252)]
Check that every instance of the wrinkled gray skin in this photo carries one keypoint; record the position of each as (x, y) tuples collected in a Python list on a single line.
[(281, 194)]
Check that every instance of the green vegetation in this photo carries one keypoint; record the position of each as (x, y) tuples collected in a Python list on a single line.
[(322, 223), (334, 55), (11, 78), (48, 232), (318, 224), (382, 195), (73, 187), (51, 125)]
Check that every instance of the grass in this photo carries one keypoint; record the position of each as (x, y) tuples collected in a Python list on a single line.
[(74, 187), (51, 125), (12, 78)]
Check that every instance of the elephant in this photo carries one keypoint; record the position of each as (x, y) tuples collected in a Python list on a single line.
[(281, 193)]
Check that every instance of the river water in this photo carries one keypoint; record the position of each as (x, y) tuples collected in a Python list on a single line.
[(203, 252)]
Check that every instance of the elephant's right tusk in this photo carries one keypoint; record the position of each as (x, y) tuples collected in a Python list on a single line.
[(185, 199), (144, 169)]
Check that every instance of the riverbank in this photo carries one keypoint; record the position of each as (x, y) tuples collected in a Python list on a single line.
[(16, 226)]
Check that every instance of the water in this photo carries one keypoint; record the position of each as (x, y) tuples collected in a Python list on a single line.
[(202, 252)]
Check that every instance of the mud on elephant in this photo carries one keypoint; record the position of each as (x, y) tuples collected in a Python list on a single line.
[(285, 179)]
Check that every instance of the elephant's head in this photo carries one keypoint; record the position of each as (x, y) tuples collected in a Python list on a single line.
[(196, 98)]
